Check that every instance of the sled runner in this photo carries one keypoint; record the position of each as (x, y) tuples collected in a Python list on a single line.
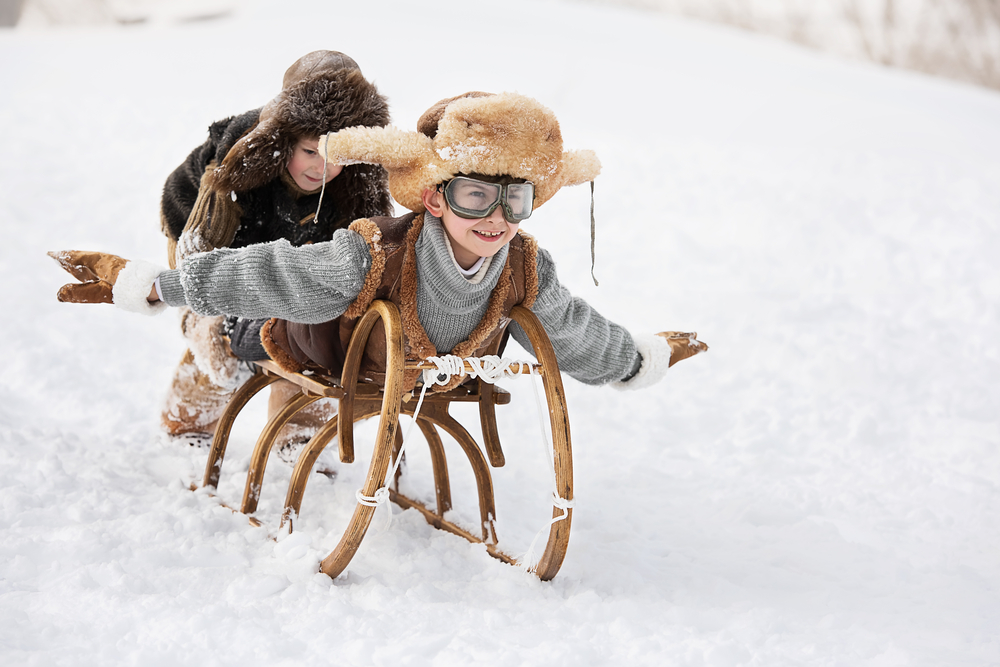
[(361, 398)]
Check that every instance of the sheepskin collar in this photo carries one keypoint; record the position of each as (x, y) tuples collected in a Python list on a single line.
[(511, 280)]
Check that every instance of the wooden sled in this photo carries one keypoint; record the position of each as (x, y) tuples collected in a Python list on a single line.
[(360, 399)]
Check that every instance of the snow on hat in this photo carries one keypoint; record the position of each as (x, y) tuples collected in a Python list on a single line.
[(475, 133), (323, 91)]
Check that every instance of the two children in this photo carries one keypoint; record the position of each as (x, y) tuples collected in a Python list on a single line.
[(455, 266), (258, 178)]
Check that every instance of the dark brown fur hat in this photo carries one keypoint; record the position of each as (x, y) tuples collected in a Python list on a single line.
[(315, 63), (324, 95)]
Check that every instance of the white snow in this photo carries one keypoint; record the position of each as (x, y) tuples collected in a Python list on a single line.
[(821, 488)]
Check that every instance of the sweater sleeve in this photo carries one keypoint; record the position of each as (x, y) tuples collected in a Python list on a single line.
[(308, 284), (589, 347)]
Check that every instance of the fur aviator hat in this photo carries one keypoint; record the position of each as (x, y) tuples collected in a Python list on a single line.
[(324, 91), (476, 133)]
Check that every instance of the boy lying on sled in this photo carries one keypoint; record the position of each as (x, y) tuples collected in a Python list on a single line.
[(455, 266)]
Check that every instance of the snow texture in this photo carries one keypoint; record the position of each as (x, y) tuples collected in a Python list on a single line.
[(821, 488), (210, 351)]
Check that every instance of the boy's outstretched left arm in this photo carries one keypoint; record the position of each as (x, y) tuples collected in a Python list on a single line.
[(595, 350)]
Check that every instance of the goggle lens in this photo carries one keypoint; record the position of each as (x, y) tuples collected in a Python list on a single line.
[(520, 197), (470, 198)]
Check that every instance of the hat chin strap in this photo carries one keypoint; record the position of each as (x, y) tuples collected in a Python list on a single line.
[(322, 188), (593, 229)]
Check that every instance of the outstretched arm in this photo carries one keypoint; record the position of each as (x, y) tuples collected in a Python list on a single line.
[(595, 350), (310, 284)]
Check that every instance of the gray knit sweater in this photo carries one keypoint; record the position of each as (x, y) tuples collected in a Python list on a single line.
[(316, 283)]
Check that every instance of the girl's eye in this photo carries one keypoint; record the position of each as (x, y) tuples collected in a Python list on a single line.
[(309, 151)]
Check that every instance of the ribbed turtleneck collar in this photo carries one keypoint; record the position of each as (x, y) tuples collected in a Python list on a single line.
[(438, 275)]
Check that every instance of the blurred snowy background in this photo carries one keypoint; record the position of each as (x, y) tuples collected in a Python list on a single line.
[(954, 38), (821, 488)]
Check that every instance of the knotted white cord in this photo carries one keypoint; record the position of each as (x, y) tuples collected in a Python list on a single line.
[(527, 559), (491, 369), (381, 494)]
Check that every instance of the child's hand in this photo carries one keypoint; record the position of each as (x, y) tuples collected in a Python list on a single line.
[(96, 271), (682, 345)]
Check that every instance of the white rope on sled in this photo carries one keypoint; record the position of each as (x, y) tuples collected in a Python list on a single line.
[(491, 369), (528, 559), (381, 495)]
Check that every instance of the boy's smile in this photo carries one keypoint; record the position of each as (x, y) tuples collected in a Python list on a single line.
[(470, 239)]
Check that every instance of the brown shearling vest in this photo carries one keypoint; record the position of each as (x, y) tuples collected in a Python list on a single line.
[(393, 277)]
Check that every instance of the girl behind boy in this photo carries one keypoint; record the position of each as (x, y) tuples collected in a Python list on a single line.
[(258, 178)]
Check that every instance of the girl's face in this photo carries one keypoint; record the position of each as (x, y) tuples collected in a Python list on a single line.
[(306, 166), (470, 239)]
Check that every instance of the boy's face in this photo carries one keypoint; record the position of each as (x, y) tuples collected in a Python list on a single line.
[(470, 238), (306, 165)]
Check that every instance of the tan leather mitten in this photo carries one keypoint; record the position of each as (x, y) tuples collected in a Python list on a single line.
[(682, 345), (96, 271)]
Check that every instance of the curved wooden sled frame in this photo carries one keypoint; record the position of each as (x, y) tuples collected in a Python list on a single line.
[(360, 400)]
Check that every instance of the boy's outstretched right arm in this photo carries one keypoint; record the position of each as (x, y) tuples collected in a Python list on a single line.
[(308, 284), (106, 278)]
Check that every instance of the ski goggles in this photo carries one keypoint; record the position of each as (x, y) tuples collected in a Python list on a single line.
[(473, 199)]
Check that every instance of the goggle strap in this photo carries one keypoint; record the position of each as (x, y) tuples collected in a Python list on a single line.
[(593, 229)]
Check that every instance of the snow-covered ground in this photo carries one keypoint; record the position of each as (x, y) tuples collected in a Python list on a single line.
[(821, 488)]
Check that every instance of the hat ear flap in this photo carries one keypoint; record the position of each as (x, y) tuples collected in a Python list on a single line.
[(409, 157), (388, 146), (576, 167), (253, 160), (579, 167)]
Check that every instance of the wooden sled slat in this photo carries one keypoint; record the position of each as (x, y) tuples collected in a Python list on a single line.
[(362, 400)]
